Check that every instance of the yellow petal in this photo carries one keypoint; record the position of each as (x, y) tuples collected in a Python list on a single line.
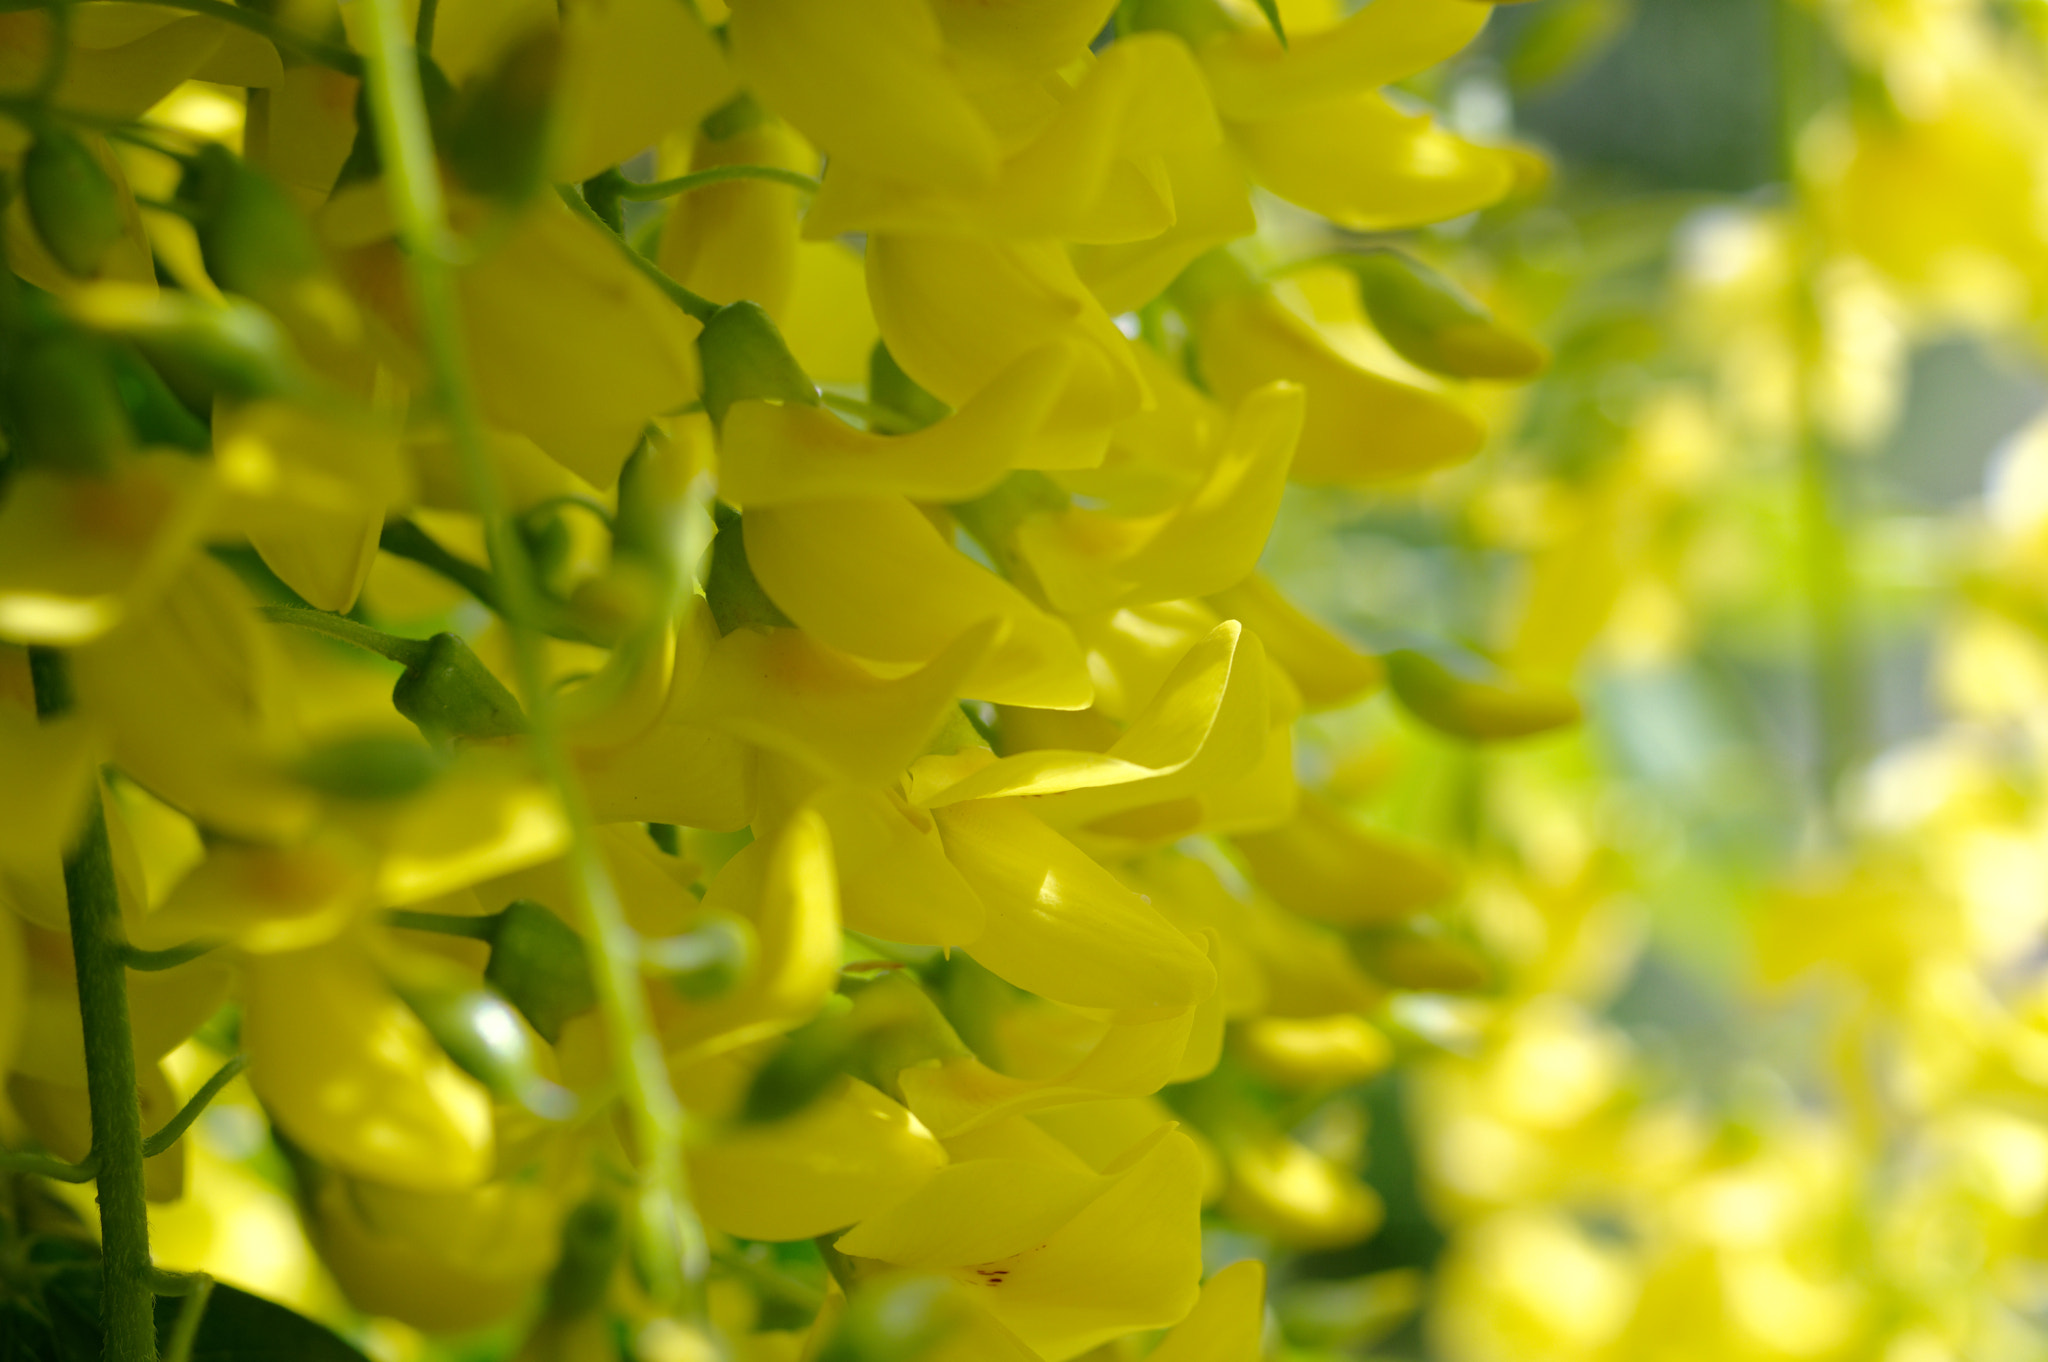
[(1365, 165), (13, 985), (1297, 1196), (865, 83), (774, 453), (1059, 924), (1020, 41), (738, 240), (1313, 1051), (46, 773), (1212, 204), (1228, 1324), (263, 899), (934, 295), (633, 70), (895, 882), (788, 892), (351, 1075), (1326, 669), (1087, 560), (846, 1156), (828, 322), (1359, 427), (783, 690), (78, 555), (489, 814), (1253, 75), (973, 1211), (873, 578), (1324, 866)]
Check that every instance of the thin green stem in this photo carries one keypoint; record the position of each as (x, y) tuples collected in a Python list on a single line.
[(405, 651), (445, 924), (186, 1331), (170, 957), (697, 306), (43, 1166), (404, 539), (698, 179), (174, 1129), (127, 1307), (674, 1251), (312, 48)]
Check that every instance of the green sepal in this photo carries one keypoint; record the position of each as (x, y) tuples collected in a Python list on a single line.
[(744, 358), (897, 392), (71, 200), (252, 237), (730, 589), (452, 695), (540, 965)]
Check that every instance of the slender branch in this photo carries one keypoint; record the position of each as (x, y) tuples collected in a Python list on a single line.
[(674, 1252), (175, 1128), (170, 957), (405, 651), (312, 48), (699, 179), (696, 305), (403, 539), (185, 1332), (43, 1166), (446, 924), (94, 903)]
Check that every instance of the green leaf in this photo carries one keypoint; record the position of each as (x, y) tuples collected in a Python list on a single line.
[(1271, 9), (239, 1327)]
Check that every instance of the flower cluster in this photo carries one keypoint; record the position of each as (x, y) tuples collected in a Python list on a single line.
[(653, 617)]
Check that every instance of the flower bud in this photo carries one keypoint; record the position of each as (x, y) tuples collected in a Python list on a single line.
[(538, 962), (372, 766), (481, 1033), (451, 695), (230, 348), (744, 357), (253, 240), (1476, 701), (72, 201), (1433, 324)]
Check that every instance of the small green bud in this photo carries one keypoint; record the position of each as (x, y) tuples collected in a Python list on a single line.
[(451, 694), (732, 592), (539, 964), (1434, 324), (896, 1319), (744, 357), (63, 407), (373, 766), (593, 1237), (889, 387), (252, 237), (71, 200), (705, 961), (807, 1062), (481, 1033), (498, 126), (202, 348), (1476, 701)]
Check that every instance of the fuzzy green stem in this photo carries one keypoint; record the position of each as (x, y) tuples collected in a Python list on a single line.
[(174, 1129), (673, 1245), (127, 1304), (43, 1166), (699, 179)]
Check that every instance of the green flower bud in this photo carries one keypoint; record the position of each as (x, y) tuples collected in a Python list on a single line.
[(63, 409), (481, 1033), (252, 237), (1476, 701), (732, 592), (202, 348), (744, 357), (374, 766), (498, 127), (705, 961), (71, 200), (890, 388), (1434, 324), (450, 694), (593, 1237), (538, 963)]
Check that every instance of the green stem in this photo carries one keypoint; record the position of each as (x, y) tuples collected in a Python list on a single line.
[(445, 924), (43, 1166), (127, 1304), (404, 651), (174, 1129), (170, 957), (697, 306), (698, 179), (403, 539), (673, 1245)]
